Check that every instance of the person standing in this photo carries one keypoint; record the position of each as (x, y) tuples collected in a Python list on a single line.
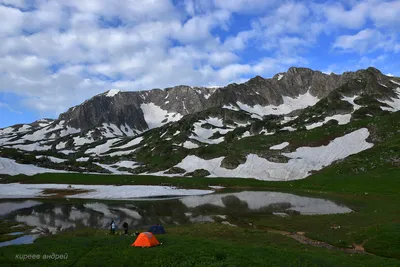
[(113, 226), (125, 225)]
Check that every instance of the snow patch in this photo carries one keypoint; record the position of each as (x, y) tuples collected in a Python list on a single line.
[(32, 147), (61, 145), (351, 101), (52, 159), (190, 145), (133, 142), (80, 141), (394, 102), (216, 187), (289, 128), (154, 115), (280, 76), (83, 159), (280, 146), (301, 163), (112, 92), (100, 149), (289, 105), (342, 119), (11, 167), (395, 82), (231, 107), (97, 191)]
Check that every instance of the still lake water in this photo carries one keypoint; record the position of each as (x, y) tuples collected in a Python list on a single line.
[(61, 214)]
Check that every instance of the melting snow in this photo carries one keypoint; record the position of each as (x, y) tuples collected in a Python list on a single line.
[(289, 105), (301, 163), (217, 122), (113, 92), (100, 149), (280, 146), (32, 147), (246, 134), (394, 103), (289, 128), (127, 164), (6, 130), (189, 145), (97, 191), (52, 159), (288, 119), (351, 101), (393, 81), (280, 76), (10, 167), (342, 119), (231, 107), (61, 145), (24, 128), (133, 142), (67, 152), (121, 153), (216, 187), (79, 141), (202, 134), (154, 115)]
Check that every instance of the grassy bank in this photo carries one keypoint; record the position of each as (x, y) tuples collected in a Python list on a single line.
[(194, 245)]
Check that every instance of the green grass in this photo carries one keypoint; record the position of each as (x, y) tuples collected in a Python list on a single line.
[(193, 245)]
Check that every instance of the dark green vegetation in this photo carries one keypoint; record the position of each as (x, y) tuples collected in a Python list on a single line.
[(194, 245)]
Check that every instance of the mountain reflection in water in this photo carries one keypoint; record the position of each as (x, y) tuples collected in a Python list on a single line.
[(65, 214)]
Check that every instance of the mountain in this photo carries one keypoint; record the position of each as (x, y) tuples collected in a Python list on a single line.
[(228, 131)]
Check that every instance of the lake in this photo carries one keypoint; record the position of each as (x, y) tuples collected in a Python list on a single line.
[(52, 215)]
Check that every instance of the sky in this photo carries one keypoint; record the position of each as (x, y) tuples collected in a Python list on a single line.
[(56, 54)]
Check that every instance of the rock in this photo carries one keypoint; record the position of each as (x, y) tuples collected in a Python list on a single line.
[(175, 170), (231, 162), (198, 173)]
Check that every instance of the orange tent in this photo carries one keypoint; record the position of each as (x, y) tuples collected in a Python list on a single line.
[(145, 239)]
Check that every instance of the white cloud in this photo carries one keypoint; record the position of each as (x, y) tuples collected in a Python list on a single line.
[(244, 5), (60, 53), (14, 3), (12, 20), (386, 14), (354, 18), (367, 40), (233, 72)]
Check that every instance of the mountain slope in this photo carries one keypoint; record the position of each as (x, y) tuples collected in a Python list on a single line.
[(241, 130)]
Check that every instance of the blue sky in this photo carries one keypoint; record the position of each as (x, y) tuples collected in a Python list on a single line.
[(56, 54)]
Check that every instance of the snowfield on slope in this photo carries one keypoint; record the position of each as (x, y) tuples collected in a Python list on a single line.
[(16, 190), (289, 105), (156, 116), (10, 167), (203, 134), (341, 118), (301, 163), (394, 102), (279, 146)]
